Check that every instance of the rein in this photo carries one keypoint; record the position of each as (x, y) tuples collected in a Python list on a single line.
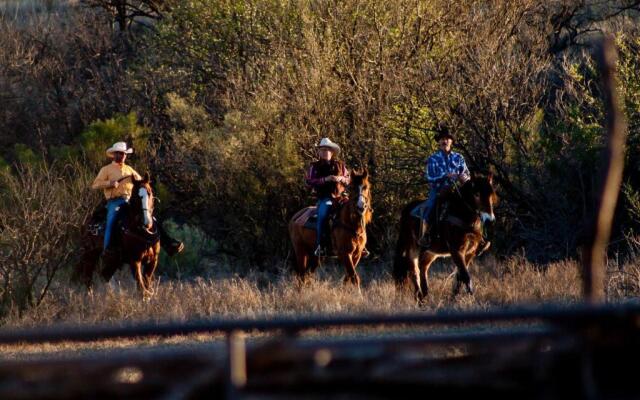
[(458, 221), (360, 228)]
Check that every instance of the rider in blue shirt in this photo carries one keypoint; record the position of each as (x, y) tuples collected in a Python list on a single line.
[(444, 167)]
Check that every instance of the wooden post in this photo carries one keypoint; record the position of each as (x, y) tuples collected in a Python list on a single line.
[(594, 253), (237, 364)]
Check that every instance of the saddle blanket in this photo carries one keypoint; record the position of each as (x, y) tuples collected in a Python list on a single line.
[(308, 219)]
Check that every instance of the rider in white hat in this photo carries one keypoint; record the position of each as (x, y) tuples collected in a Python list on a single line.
[(329, 178), (115, 180)]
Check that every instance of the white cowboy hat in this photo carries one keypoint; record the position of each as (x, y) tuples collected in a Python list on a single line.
[(325, 142), (118, 147)]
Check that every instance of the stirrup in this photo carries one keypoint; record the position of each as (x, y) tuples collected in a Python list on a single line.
[(319, 251)]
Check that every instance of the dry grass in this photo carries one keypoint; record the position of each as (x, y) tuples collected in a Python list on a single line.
[(255, 294)]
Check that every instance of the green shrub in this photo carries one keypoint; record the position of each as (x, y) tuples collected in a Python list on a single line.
[(192, 261)]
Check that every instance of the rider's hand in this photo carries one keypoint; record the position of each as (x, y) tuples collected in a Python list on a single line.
[(114, 184), (452, 175), (341, 179), (331, 178)]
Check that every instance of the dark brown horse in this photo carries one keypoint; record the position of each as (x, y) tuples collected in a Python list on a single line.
[(458, 234), (348, 232), (138, 238)]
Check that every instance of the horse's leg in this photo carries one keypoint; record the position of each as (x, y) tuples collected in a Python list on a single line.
[(301, 265), (467, 262), (312, 263), (149, 269), (426, 259), (351, 275), (136, 268), (462, 276), (109, 267), (83, 271)]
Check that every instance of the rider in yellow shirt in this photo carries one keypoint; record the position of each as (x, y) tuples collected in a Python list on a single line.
[(115, 180)]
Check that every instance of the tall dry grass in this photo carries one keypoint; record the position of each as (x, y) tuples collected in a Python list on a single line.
[(250, 294)]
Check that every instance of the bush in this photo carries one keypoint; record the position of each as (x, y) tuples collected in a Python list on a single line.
[(192, 262), (41, 209)]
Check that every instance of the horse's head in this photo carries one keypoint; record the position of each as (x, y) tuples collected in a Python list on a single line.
[(362, 192), (141, 201), (484, 196)]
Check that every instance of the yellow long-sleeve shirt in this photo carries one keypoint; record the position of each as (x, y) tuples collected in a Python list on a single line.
[(112, 172)]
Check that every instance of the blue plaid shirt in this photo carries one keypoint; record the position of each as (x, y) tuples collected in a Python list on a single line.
[(441, 164)]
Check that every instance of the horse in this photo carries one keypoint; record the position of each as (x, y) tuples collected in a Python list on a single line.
[(348, 232), (138, 237), (458, 234)]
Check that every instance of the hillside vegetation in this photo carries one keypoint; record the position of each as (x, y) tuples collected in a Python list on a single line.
[(224, 101)]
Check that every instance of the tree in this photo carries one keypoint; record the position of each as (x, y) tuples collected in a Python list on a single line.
[(128, 12)]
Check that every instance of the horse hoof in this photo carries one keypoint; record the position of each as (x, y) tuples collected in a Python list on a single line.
[(470, 287)]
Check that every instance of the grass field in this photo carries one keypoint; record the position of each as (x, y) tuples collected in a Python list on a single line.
[(245, 293)]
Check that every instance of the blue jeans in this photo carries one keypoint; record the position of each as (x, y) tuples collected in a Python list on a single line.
[(324, 206), (113, 212), (431, 202)]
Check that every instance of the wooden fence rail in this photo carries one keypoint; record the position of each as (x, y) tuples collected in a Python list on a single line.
[(526, 352)]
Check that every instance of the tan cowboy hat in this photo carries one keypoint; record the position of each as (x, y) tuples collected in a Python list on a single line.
[(326, 142), (118, 147)]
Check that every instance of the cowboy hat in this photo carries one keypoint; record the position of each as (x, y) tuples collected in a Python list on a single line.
[(325, 142), (442, 131), (118, 147)]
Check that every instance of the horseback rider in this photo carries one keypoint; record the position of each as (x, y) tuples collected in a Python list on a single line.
[(444, 168), (116, 182), (329, 178)]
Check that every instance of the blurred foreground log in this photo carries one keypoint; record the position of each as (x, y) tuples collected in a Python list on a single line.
[(584, 356)]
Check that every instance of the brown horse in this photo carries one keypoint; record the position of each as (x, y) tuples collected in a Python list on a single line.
[(458, 234), (139, 245), (348, 232)]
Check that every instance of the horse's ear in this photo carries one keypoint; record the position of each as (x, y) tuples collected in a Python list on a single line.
[(490, 178), (365, 172), (146, 178)]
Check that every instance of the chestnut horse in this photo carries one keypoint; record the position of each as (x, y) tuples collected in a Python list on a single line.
[(139, 245), (458, 234), (348, 232)]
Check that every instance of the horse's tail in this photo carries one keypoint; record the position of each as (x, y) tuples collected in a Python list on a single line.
[(406, 248)]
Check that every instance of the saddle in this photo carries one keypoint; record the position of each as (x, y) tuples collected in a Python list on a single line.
[(97, 222), (336, 204), (309, 220), (441, 214), (438, 214)]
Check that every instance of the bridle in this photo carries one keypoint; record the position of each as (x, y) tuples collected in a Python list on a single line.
[(146, 201), (484, 216), (362, 205)]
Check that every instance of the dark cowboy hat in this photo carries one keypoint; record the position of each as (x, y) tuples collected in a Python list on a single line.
[(442, 131)]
